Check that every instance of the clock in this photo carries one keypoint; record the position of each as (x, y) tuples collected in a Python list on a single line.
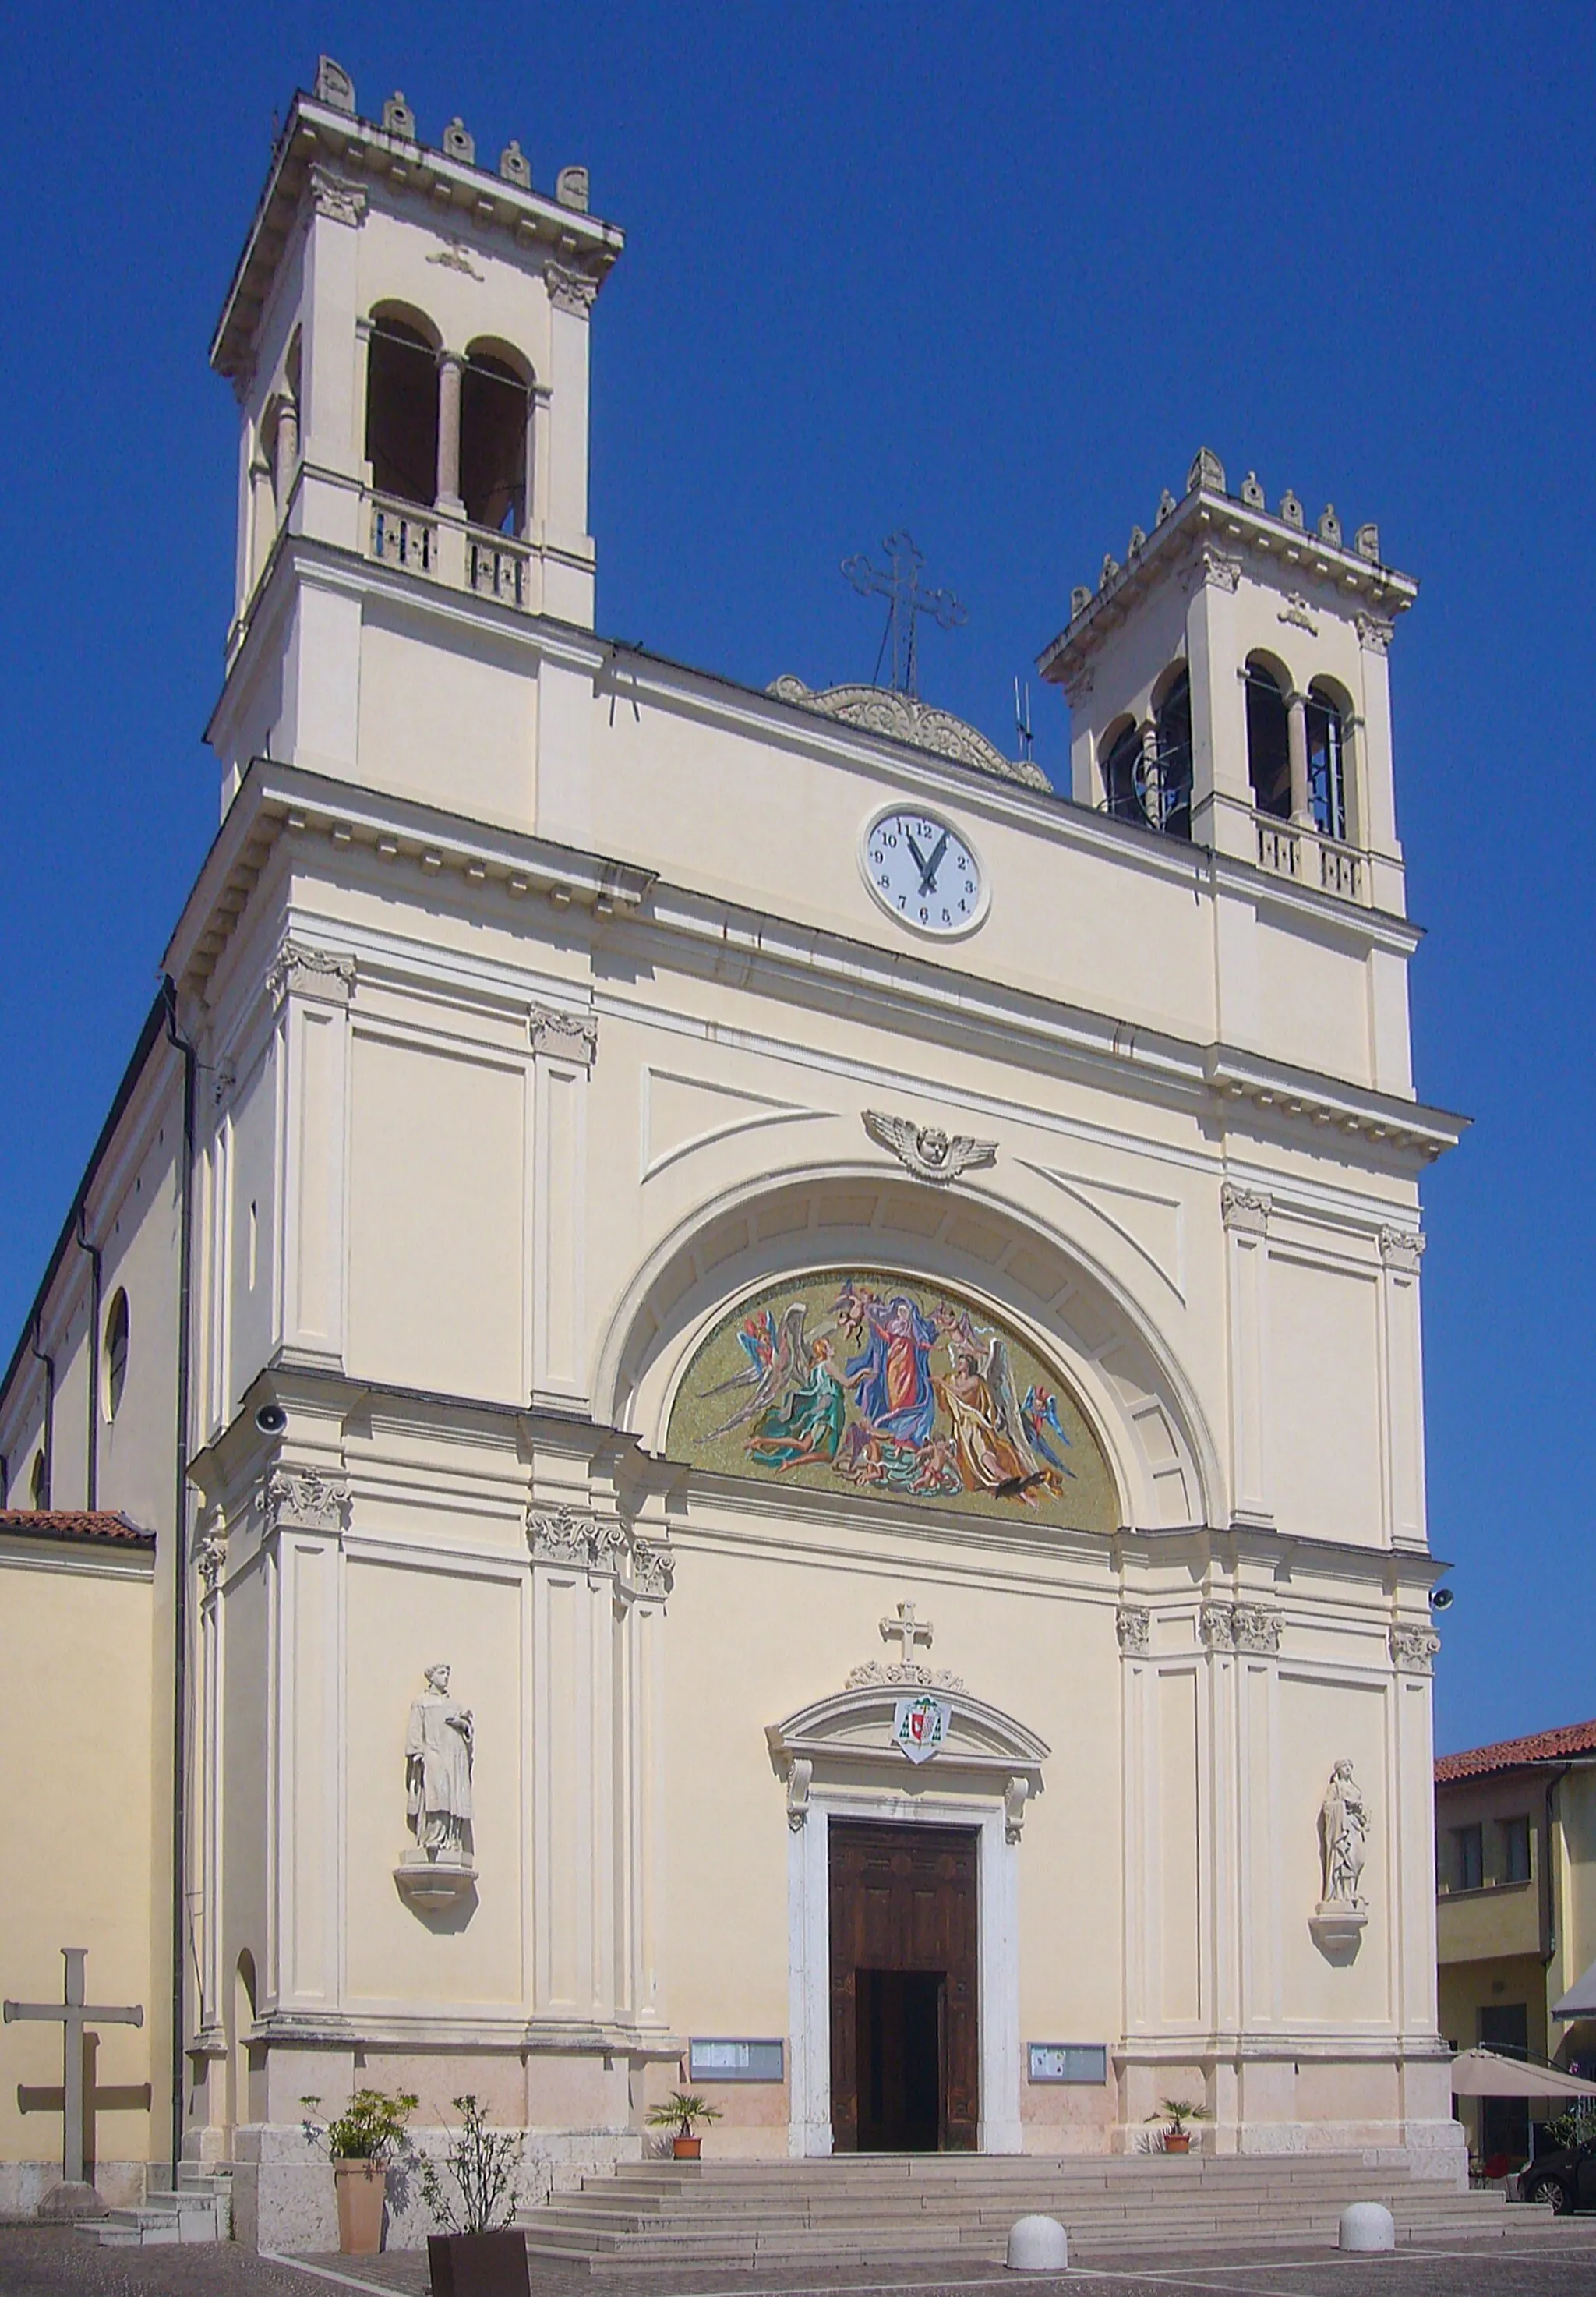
[(924, 872)]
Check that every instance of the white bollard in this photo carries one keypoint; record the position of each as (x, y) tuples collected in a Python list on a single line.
[(1038, 2245), (1368, 2226)]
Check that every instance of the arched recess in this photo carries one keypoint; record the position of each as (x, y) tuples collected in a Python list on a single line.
[(493, 402), (1062, 1303), (401, 403)]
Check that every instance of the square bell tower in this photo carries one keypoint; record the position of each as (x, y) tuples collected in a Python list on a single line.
[(407, 333), (1228, 684)]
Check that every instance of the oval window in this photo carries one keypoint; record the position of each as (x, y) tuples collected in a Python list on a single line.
[(117, 1327)]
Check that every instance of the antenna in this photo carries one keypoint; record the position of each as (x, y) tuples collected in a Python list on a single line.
[(1022, 716), (899, 583)]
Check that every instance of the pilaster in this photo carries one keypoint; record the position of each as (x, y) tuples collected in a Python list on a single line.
[(1246, 1213)]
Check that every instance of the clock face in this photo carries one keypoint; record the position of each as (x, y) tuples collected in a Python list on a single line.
[(924, 872)]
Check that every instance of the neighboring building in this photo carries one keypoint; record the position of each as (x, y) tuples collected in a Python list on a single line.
[(667, 1197), (84, 1865), (1515, 1911)]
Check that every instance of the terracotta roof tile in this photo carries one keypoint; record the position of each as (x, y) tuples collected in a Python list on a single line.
[(74, 1523), (1513, 1754)]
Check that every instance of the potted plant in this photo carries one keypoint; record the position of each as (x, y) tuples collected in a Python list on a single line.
[(361, 2141), (679, 2112), (1177, 2112), (479, 2253)]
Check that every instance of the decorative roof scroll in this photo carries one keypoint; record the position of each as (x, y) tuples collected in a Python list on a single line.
[(902, 718)]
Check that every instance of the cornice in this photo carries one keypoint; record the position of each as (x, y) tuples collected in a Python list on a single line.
[(760, 950), (358, 151), (1210, 536)]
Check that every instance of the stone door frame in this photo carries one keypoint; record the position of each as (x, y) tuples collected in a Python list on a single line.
[(809, 1953)]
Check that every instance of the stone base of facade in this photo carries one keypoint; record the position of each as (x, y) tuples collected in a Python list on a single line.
[(24, 2184), (282, 2196)]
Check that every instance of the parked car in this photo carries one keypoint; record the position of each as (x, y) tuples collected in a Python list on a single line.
[(1565, 2178)]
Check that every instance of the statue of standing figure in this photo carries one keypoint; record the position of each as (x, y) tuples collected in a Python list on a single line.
[(438, 1746), (1343, 1837)]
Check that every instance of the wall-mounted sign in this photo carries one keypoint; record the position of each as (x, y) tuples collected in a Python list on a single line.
[(759, 2062), (1069, 2061)]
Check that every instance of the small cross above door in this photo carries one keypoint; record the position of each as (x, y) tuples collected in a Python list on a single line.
[(906, 1630)]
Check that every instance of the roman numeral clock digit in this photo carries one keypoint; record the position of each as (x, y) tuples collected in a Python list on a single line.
[(924, 873)]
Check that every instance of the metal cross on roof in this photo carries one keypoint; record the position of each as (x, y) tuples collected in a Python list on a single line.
[(899, 583)]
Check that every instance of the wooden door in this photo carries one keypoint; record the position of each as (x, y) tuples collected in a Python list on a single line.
[(903, 1898)]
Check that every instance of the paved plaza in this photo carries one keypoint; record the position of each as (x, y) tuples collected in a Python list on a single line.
[(1555, 2261)]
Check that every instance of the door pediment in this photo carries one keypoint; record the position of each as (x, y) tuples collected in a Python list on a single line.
[(853, 1730)]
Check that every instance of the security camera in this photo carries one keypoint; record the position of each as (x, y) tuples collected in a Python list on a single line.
[(271, 1419), (1441, 1599)]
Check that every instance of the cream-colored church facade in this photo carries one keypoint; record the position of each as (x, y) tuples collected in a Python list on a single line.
[(805, 1371)]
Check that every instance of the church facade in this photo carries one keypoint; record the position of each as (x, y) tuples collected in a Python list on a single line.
[(776, 1372)]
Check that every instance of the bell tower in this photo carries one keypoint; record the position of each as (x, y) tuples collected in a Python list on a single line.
[(407, 333), (1228, 684)]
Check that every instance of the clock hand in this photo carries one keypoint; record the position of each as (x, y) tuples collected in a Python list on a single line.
[(919, 859), (928, 870)]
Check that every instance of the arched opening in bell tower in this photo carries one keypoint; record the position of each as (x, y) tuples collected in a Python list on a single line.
[(401, 410), (1268, 740), (1326, 725), (494, 397)]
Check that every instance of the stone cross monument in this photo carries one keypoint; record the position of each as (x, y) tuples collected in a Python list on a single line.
[(73, 2198)]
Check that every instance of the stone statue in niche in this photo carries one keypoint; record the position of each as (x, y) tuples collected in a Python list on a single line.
[(438, 1751), (1344, 1839)]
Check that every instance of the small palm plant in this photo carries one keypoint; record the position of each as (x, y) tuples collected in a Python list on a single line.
[(679, 2113), (1177, 2111)]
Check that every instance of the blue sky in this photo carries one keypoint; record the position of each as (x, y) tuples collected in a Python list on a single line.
[(992, 273)]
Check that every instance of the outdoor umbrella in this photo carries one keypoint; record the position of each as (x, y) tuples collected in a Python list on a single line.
[(1481, 2073)]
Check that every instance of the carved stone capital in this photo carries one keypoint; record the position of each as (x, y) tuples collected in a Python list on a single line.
[(336, 197), (1016, 1794), (799, 1779), (1246, 1210), (566, 1036), (570, 290), (641, 1567), (1403, 1249), (1414, 1649), (211, 1558), (925, 1151), (1254, 1627), (1211, 565), (1133, 1625), (1216, 1626), (649, 1570), (304, 1499), (1374, 633), (300, 970)]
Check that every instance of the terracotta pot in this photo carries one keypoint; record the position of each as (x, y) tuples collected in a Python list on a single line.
[(478, 2264), (1177, 2140), (687, 2149), (362, 2189)]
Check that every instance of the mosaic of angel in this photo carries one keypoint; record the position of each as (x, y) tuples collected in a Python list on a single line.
[(894, 1393)]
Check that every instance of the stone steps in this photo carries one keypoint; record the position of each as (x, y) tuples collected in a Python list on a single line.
[(746, 2215), (197, 2209)]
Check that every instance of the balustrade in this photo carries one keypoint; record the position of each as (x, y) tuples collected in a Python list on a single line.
[(1286, 851), (403, 537)]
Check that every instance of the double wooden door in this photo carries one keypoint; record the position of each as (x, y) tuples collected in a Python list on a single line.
[(905, 1987)]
